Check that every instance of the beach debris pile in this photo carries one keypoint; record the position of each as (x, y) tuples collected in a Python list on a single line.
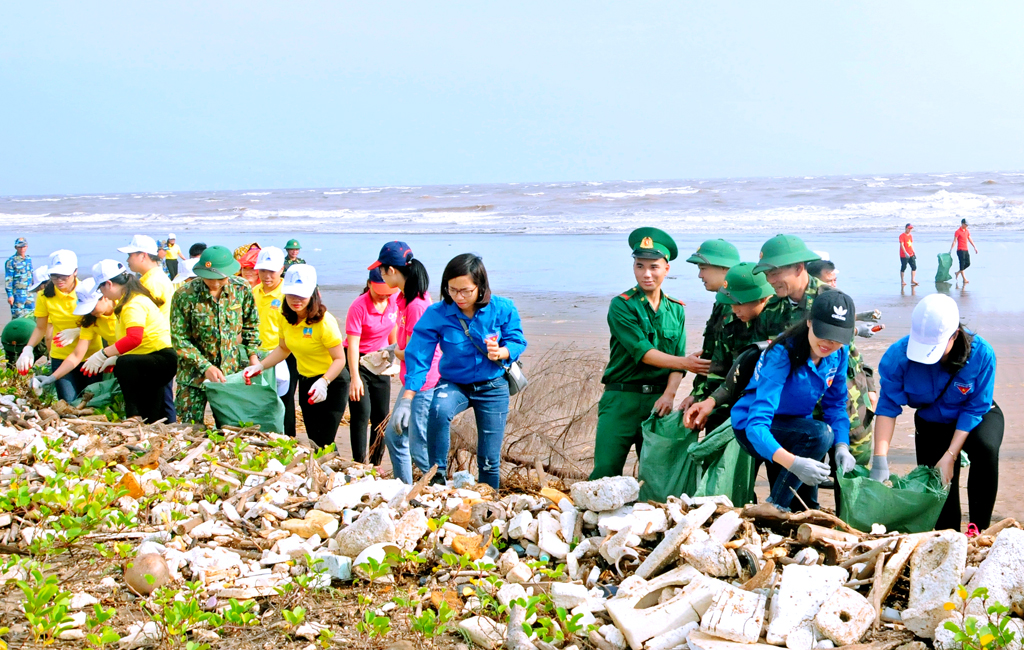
[(154, 535)]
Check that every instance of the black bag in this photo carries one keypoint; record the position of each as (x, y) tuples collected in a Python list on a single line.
[(514, 374)]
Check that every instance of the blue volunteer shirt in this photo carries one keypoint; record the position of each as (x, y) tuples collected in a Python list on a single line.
[(461, 362), (908, 383), (774, 390)]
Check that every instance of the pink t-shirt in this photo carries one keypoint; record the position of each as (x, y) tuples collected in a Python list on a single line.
[(369, 325), (408, 316)]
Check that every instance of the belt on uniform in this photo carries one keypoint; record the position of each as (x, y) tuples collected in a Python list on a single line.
[(644, 389)]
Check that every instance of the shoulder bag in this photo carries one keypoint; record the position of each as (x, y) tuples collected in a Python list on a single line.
[(514, 374)]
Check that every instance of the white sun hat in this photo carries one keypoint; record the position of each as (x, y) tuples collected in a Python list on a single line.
[(933, 322), (300, 280)]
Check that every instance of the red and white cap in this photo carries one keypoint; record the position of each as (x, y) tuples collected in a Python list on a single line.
[(933, 322), (299, 280)]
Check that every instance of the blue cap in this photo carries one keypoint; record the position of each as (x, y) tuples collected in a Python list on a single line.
[(21, 241), (393, 253), (375, 275)]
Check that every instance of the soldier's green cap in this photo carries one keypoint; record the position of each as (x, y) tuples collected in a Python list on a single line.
[(216, 263), (783, 250), (292, 245), (743, 285), (17, 332), (652, 244), (716, 252)]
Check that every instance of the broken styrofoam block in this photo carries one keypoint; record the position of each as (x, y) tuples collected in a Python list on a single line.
[(411, 528), (606, 493), (640, 614), (735, 615), (548, 528), (483, 631), (801, 593), (373, 527), (726, 527), (668, 549), (613, 636), (510, 592), (568, 595), (672, 639), (711, 557), (518, 525), (936, 568), (1002, 573), (351, 494), (698, 640), (844, 617), (642, 520)]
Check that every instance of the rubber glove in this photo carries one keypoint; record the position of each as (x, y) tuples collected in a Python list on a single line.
[(810, 471), (42, 381), (845, 462), (879, 468), (318, 392), (94, 364), (64, 338), (389, 352), (402, 414), (108, 365), (251, 372), (25, 360), (867, 330)]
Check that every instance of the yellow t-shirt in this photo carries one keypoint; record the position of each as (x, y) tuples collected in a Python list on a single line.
[(142, 312), (173, 252), (160, 286), (269, 307), (60, 312), (105, 327), (310, 344)]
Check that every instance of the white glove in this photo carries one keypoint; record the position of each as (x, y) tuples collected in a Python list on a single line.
[(845, 462), (389, 352), (94, 364), (866, 330), (64, 338), (251, 372), (809, 471), (25, 360), (42, 381), (318, 392), (108, 364)]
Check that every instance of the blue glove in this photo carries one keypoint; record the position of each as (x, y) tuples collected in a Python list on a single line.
[(402, 414)]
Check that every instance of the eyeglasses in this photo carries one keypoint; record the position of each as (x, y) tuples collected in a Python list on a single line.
[(463, 293), (59, 278)]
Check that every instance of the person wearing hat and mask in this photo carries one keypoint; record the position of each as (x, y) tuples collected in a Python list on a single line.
[(713, 258), (403, 272), (18, 280), (292, 248), (247, 256), (173, 252), (269, 298), (946, 373), (961, 238), (806, 364), (371, 325), (907, 255), (310, 334), (647, 358), (214, 328)]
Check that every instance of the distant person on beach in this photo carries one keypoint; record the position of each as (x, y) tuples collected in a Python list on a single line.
[(479, 335), (293, 248), (173, 253), (18, 279), (946, 373), (269, 296), (647, 358), (713, 258), (907, 255), (961, 238)]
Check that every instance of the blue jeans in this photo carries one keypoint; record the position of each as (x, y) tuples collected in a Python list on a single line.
[(799, 436), (489, 401), (70, 385), (413, 441)]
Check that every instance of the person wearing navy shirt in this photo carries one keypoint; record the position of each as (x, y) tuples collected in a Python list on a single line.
[(947, 373), (479, 334), (807, 363)]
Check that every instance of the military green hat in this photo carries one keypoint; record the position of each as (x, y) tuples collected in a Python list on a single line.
[(292, 245), (652, 244), (216, 263), (783, 250), (743, 285), (716, 252)]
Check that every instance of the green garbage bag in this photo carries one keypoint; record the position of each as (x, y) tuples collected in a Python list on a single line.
[(911, 505), (725, 468), (104, 393), (945, 263), (663, 457), (234, 403)]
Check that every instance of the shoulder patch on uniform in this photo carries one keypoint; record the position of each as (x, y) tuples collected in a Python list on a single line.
[(675, 300), (628, 293)]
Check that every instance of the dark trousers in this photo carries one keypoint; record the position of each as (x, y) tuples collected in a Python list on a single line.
[(70, 385), (982, 446), (172, 413), (799, 436), (371, 411), (289, 397), (144, 379), (172, 268), (322, 419)]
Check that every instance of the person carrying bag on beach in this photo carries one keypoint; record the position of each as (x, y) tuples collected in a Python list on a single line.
[(947, 374)]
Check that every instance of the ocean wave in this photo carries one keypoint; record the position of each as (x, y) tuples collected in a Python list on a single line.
[(647, 191), (35, 200), (256, 193)]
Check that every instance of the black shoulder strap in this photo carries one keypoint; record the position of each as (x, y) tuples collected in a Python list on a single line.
[(941, 392), (465, 328)]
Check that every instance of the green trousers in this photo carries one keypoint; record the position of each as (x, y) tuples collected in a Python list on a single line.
[(619, 419), (190, 403)]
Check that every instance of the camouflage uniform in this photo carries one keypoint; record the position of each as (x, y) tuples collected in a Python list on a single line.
[(704, 385), (222, 333), (290, 262), (18, 280)]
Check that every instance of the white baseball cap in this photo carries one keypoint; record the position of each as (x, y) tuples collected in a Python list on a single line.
[(63, 262), (105, 270), (185, 269), (39, 278), (933, 322), (300, 280), (140, 244), (171, 236), (88, 295), (271, 259)]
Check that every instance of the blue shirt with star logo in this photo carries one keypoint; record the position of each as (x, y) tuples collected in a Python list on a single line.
[(907, 383)]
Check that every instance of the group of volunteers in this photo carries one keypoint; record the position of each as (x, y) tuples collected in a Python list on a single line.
[(164, 341), (778, 363)]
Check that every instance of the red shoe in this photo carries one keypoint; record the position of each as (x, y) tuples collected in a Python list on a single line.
[(972, 531)]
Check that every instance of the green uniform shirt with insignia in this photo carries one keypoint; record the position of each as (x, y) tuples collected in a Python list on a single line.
[(636, 329)]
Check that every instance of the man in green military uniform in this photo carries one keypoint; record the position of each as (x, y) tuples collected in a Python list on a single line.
[(713, 258), (15, 335), (293, 248), (647, 358), (214, 327)]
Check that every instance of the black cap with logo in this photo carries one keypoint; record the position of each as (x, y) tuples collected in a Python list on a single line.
[(833, 317)]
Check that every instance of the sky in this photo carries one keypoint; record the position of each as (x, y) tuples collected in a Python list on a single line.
[(130, 96)]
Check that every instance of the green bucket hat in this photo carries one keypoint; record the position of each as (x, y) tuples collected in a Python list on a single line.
[(743, 285), (216, 263), (783, 250), (716, 252), (292, 245), (652, 244)]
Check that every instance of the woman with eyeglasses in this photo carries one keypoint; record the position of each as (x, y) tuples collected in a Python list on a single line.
[(479, 335)]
